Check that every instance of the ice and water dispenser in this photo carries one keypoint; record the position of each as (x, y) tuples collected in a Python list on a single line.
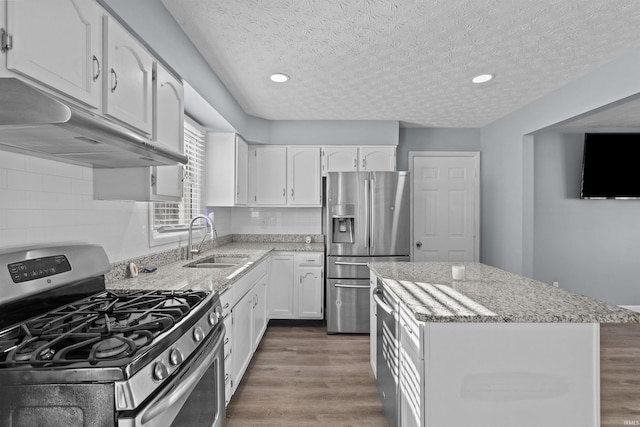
[(343, 227)]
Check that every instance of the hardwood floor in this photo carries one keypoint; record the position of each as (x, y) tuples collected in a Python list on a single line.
[(619, 375), (300, 376)]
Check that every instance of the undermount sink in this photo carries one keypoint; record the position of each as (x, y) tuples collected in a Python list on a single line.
[(218, 261)]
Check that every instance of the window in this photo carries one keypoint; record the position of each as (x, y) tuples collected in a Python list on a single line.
[(170, 217)]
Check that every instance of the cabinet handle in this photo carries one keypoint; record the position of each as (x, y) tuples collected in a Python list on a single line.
[(301, 278), (115, 80), (225, 306), (284, 192), (355, 163), (96, 62), (292, 192), (364, 162)]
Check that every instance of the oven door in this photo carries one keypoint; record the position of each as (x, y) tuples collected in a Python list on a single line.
[(194, 397)]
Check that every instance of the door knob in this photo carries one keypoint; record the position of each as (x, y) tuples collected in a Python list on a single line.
[(419, 244)]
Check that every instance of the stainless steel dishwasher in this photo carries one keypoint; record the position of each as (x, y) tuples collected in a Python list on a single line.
[(387, 351)]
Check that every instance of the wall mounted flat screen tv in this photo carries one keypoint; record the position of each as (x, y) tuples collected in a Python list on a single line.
[(610, 166)]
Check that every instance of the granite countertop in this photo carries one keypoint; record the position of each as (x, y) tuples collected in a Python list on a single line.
[(489, 294), (175, 276)]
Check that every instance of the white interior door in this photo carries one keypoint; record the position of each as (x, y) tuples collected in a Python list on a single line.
[(445, 212)]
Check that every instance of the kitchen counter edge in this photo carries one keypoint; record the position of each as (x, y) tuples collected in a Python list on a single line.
[(513, 298), (174, 276)]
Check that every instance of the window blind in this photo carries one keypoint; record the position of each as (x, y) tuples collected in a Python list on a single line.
[(175, 216)]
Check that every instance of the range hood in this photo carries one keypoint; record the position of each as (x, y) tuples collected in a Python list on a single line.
[(36, 123)]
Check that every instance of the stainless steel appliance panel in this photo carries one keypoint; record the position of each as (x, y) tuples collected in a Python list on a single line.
[(390, 207), (347, 213), (387, 353), (195, 397), (348, 306), (356, 267)]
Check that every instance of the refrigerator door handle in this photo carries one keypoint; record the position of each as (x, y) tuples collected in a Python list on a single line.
[(367, 212), (338, 285), (357, 264), (372, 242)]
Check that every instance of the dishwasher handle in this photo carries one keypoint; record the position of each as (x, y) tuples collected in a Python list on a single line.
[(383, 305)]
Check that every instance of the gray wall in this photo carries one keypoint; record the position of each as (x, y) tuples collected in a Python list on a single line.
[(506, 185), (588, 246), (435, 139)]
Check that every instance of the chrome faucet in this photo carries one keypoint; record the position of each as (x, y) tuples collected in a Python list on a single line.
[(190, 249)]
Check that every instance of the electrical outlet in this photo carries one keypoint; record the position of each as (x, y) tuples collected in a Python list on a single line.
[(556, 284)]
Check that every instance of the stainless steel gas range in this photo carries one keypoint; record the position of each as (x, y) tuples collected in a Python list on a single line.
[(75, 354)]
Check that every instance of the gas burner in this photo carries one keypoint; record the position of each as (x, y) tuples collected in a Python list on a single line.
[(113, 346), (25, 352)]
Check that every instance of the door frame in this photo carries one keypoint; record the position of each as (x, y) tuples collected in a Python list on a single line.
[(476, 214)]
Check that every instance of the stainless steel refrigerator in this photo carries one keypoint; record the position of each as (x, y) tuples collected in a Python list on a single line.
[(366, 220)]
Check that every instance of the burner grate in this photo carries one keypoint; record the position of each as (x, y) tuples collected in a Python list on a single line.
[(105, 327)]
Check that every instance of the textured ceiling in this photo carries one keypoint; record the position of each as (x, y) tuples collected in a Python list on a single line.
[(406, 60)]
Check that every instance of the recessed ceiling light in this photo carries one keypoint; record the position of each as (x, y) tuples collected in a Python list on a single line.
[(482, 78), (279, 78)]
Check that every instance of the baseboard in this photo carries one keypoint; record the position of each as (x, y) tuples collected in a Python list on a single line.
[(632, 307)]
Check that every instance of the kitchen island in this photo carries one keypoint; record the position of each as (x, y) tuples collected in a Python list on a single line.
[(494, 349)]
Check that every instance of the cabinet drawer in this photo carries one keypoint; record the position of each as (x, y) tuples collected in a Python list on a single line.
[(311, 259), (411, 332)]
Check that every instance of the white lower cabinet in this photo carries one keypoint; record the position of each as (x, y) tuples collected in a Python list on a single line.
[(281, 298), (244, 307), (296, 288), (411, 378), (310, 289)]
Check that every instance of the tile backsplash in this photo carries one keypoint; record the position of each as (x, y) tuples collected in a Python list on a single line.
[(46, 201)]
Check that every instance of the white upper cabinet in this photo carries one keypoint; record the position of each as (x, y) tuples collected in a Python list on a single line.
[(337, 158), (340, 159), (287, 176), (59, 44), (168, 109), (304, 176), (226, 168), (381, 158), (271, 175), (128, 68), (168, 131)]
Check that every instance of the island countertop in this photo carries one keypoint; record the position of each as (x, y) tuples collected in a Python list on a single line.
[(489, 294), (174, 275)]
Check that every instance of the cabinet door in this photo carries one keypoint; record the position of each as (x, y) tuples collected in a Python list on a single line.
[(168, 131), (281, 290), (242, 171), (304, 176), (271, 176), (242, 336), (310, 293), (58, 43), (259, 311), (168, 109), (340, 159), (128, 91), (377, 158)]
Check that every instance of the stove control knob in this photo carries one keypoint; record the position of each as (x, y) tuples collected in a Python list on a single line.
[(160, 371), (198, 334), (175, 357), (215, 316)]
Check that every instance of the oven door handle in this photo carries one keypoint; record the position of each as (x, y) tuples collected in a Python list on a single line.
[(160, 406), (387, 308)]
